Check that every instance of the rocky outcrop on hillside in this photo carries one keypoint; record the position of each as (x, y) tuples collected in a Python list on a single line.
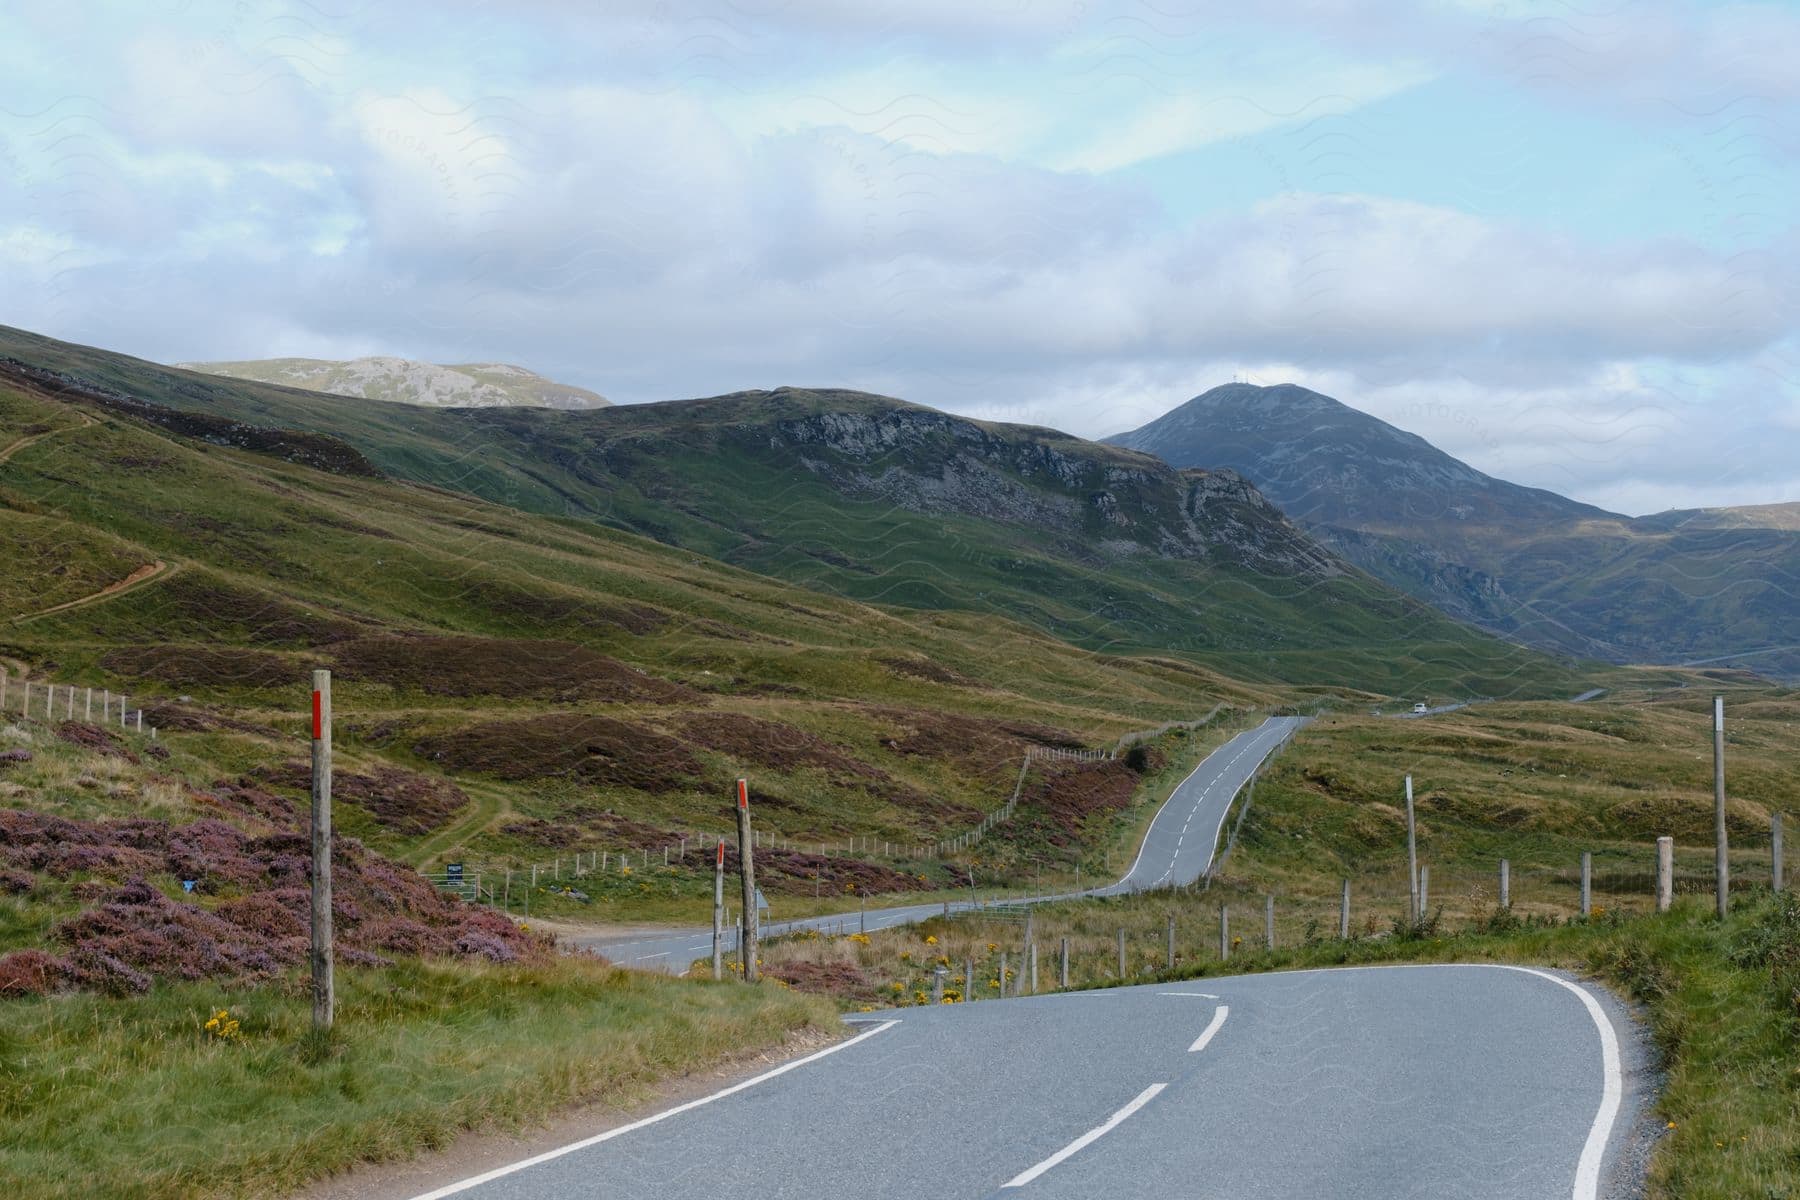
[(1101, 500)]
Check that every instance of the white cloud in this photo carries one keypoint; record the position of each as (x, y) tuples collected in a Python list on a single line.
[(917, 200)]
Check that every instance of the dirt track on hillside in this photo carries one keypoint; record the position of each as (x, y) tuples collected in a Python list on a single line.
[(143, 574)]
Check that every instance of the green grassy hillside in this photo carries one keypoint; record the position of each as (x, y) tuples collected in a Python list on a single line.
[(887, 503), (528, 686)]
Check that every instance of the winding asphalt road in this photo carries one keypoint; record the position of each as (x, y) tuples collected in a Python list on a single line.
[(1460, 1082), (1177, 850)]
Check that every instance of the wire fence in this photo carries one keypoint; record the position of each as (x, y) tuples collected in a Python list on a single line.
[(69, 702), (1149, 933)]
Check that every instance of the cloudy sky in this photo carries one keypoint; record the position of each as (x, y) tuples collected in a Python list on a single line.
[(1557, 239)]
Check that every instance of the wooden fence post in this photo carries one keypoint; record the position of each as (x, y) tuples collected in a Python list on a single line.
[(1665, 873), (718, 946), (324, 995), (747, 866), (1412, 856), (1775, 880), (1721, 851)]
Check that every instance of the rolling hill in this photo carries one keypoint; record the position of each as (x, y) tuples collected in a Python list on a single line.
[(513, 686), (885, 502), (406, 381), (1525, 563)]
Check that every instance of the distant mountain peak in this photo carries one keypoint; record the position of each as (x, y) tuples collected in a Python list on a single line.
[(1523, 562), (408, 381), (1326, 463)]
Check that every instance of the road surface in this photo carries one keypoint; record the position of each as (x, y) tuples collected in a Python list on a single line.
[(1459, 1082), (1180, 844), (1177, 850)]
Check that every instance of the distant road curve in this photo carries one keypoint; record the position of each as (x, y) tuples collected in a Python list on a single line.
[(1177, 850)]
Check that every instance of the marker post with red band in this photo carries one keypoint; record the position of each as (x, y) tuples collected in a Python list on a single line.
[(747, 951), (719, 913), (324, 997)]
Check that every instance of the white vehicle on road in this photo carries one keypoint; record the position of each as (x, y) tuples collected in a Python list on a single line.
[(1420, 708)]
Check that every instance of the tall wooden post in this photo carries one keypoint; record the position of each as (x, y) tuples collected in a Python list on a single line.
[(719, 912), (1775, 879), (1665, 873), (747, 864), (324, 995), (1721, 856), (1412, 857)]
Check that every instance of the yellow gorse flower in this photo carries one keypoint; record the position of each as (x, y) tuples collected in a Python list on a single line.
[(223, 1026)]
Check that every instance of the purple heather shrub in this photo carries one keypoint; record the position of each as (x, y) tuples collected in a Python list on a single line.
[(92, 969), (133, 932), (485, 945), (28, 973)]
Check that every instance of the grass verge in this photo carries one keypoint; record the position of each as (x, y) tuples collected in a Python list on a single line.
[(136, 1098)]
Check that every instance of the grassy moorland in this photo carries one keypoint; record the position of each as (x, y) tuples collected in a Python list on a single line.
[(511, 688)]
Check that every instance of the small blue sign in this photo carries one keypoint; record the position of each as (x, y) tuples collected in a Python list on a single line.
[(187, 885)]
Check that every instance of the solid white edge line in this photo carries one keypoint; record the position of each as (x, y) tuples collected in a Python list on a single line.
[(1165, 806), (524, 1163), (1087, 1139), (1196, 995), (1207, 1035), (1612, 1091), (1612, 1096)]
